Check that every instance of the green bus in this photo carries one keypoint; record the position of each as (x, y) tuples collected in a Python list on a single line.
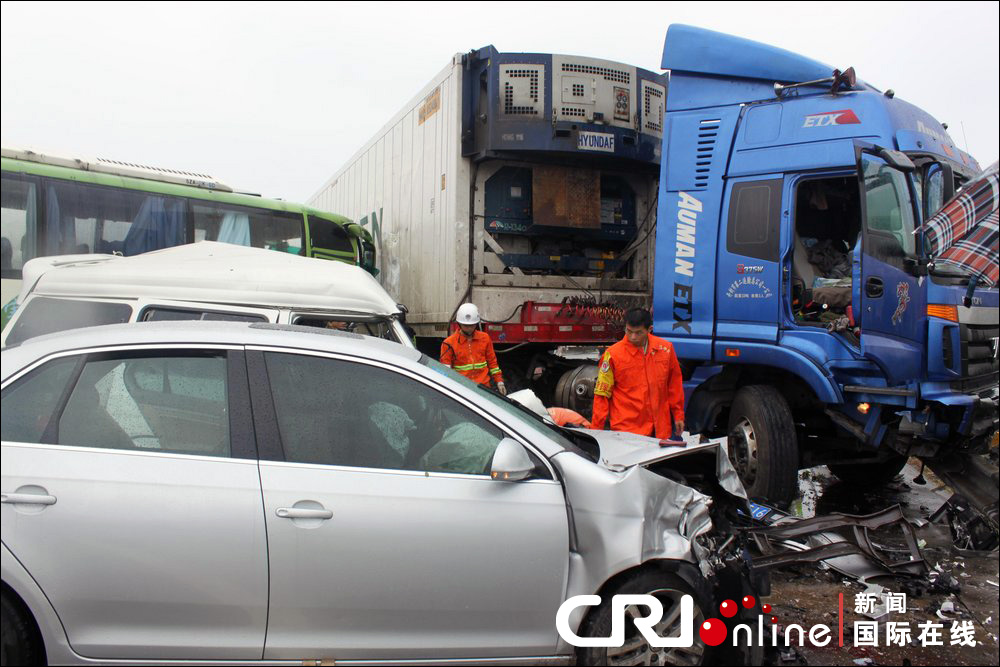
[(66, 206)]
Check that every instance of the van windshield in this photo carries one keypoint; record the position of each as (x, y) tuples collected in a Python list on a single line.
[(45, 315), (376, 327)]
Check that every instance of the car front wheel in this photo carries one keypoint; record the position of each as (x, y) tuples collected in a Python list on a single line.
[(668, 589)]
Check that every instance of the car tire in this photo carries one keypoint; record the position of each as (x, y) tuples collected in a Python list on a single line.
[(762, 444), (636, 651), (18, 637), (869, 474)]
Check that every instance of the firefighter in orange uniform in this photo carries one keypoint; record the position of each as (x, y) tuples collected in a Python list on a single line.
[(639, 383), (470, 351)]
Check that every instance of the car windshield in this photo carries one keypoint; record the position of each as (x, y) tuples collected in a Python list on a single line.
[(588, 450)]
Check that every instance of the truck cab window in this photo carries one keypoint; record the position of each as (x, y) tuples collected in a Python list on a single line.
[(889, 210), (754, 219)]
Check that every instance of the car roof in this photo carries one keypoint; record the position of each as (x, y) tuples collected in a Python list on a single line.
[(211, 272), (318, 339)]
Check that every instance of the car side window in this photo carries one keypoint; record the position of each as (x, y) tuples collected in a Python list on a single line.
[(335, 412), (175, 403), (29, 404)]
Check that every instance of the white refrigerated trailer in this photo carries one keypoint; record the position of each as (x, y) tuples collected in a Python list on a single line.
[(525, 183)]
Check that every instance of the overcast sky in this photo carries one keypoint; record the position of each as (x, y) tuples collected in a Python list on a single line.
[(274, 97)]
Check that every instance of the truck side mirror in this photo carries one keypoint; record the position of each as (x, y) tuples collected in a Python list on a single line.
[(511, 462), (916, 267), (897, 159)]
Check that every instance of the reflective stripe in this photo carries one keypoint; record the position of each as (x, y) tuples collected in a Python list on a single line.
[(493, 371), (469, 367)]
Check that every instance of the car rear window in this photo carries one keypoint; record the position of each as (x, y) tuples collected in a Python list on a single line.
[(45, 315)]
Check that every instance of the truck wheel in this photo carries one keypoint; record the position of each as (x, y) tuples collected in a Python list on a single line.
[(762, 444), (869, 474)]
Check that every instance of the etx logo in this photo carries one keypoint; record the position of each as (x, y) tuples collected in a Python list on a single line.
[(743, 268), (842, 117), (644, 625)]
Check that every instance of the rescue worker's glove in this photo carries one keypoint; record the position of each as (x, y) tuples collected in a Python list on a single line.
[(502, 388)]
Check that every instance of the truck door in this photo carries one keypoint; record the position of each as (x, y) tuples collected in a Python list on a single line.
[(893, 301), (749, 276)]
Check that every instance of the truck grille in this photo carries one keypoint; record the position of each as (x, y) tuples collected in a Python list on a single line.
[(979, 353)]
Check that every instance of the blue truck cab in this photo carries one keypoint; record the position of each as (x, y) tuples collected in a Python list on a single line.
[(812, 326)]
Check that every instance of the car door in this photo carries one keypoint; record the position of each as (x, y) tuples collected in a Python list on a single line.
[(132, 497), (387, 538)]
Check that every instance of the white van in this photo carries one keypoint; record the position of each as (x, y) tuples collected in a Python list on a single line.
[(201, 281)]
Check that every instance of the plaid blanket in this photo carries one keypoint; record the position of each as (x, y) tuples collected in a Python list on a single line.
[(964, 232)]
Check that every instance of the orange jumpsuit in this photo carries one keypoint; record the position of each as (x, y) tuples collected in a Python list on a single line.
[(472, 357), (643, 392)]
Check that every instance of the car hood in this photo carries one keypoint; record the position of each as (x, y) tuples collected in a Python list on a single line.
[(621, 451)]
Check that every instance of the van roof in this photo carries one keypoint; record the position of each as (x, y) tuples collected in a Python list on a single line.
[(211, 272)]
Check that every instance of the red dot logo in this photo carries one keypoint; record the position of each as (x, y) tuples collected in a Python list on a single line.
[(728, 609), (774, 620), (713, 632), (749, 602), (766, 609)]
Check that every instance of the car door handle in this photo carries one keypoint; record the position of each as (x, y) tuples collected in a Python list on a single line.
[(27, 499), (874, 288), (299, 513)]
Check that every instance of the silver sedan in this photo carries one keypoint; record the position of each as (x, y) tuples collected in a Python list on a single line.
[(233, 492)]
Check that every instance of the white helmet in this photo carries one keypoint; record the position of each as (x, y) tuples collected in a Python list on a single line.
[(467, 314)]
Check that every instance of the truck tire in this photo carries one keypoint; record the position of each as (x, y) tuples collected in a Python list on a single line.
[(762, 444), (869, 474)]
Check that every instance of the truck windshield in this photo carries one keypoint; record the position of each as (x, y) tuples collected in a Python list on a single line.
[(930, 183), (889, 207)]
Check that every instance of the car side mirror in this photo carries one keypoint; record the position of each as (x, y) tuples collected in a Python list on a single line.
[(511, 462)]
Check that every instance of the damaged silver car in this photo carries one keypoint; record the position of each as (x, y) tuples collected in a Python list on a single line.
[(244, 492)]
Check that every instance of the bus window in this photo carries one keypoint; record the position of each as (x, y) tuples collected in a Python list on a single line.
[(329, 235), (82, 218), (260, 228), (19, 224)]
